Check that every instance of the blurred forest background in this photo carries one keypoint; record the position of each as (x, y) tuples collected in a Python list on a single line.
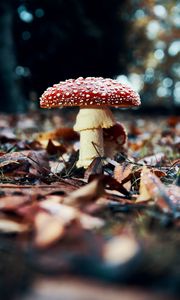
[(43, 42)]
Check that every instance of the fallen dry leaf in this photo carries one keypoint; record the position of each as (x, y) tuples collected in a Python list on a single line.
[(41, 209), (94, 169), (158, 173), (7, 134), (48, 229), (120, 249), (136, 174), (173, 120), (67, 214), (64, 212), (11, 226), (86, 194), (152, 188), (57, 166), (152, 160), (144, 194), (54, 147), (173, 192), (75, 288), (111, 183), (121, 172), (11, 203), (7, 162), (37, 160), (89, 222), (65, 133)]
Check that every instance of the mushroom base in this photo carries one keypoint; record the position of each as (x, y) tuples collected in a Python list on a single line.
[(90, 123), (91, 142)]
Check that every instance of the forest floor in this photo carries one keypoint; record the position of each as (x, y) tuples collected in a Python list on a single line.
[(108, 232)]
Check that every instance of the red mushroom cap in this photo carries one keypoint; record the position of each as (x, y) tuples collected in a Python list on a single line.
[(89, 92)]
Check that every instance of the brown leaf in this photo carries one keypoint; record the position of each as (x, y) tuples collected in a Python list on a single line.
[(67, 214), (89, 222), (135, 146), (94, 169), (79, 288), (2, 153), (10, 226), (57, 166), (121, 172), (11, 203), (8, 162), (28, 212), (60, 133), (173, 192), (53, 148), (176, 162), (134, 130), (173, 121), (153, 188), (86, 194), (158, 173), (120, 249), (14, 160), (39, 161), (48, 229), (62, 187), (136, 174), (152, 160), (112, 184), (23, 159)]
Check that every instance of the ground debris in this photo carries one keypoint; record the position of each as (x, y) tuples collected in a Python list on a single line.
[(110, 221)]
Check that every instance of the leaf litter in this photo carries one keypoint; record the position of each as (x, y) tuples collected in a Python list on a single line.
[(105, 216)]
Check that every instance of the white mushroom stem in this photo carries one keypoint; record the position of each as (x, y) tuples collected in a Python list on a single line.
[(91, 146), (90, 123)]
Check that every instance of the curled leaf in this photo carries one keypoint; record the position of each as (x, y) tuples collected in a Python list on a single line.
[(86, 194)]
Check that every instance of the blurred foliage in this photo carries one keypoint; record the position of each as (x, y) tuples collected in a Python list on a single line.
[(153, 37)]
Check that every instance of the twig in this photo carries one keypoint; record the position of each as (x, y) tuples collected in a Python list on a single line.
[(4, 185)]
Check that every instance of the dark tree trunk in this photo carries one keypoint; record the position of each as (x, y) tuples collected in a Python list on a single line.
[(11, 96)]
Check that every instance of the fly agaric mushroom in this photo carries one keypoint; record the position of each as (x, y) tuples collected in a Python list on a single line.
[(93, 95)]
